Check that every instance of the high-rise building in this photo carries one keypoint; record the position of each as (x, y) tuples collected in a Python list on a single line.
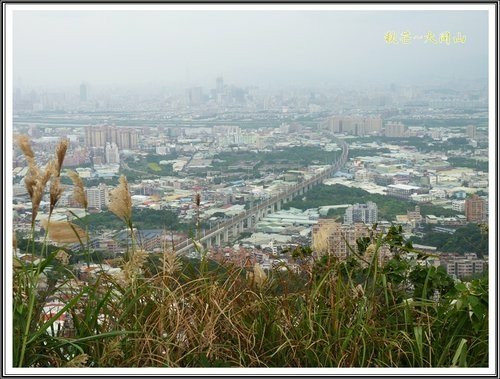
[(475, 209), (97, 197), (162, 150), (471, 131), (194, 95), (83, 92), (127, 139), (414, 217), (227, 134), (95, 136), (340, 239), (112, 153), (354, 125), (365, 213), (395, 129), (124, 138), (219, 84), (458, 205), (373, 124)]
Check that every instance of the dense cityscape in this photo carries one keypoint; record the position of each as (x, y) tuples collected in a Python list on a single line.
[(427, 148)]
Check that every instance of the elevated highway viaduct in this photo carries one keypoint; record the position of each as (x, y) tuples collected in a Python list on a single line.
[(220, 233)]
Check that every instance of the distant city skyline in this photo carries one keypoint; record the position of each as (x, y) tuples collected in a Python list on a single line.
[(264, 48)]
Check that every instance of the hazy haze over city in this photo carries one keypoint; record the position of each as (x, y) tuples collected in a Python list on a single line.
[(63, 48)]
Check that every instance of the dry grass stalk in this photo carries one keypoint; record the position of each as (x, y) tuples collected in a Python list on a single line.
[(65, 232), (62, 257), (112, 352), (35, 181), (171, 262), (358, 291), (78, 361), (23, 142), (258, 276), (198, 246), (56, 191), (78, 191), (320, 243), (36, 198), (61, 149), (30, 184), (370, 252), (49, 172), (133, 267), (121, 202)]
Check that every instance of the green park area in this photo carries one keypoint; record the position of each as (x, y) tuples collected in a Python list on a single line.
[(337, 194)]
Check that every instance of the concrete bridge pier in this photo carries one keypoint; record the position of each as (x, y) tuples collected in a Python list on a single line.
[(225, 236), (217, 239)]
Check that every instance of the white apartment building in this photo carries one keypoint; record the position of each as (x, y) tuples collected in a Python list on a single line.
[(112, 153), (458, 205), (98, 197), (365, 213)]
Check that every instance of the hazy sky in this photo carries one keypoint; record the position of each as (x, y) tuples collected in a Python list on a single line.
[(193, 47)]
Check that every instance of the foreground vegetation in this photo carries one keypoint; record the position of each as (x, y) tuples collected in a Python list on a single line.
[(177, 314), (160, 311)]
